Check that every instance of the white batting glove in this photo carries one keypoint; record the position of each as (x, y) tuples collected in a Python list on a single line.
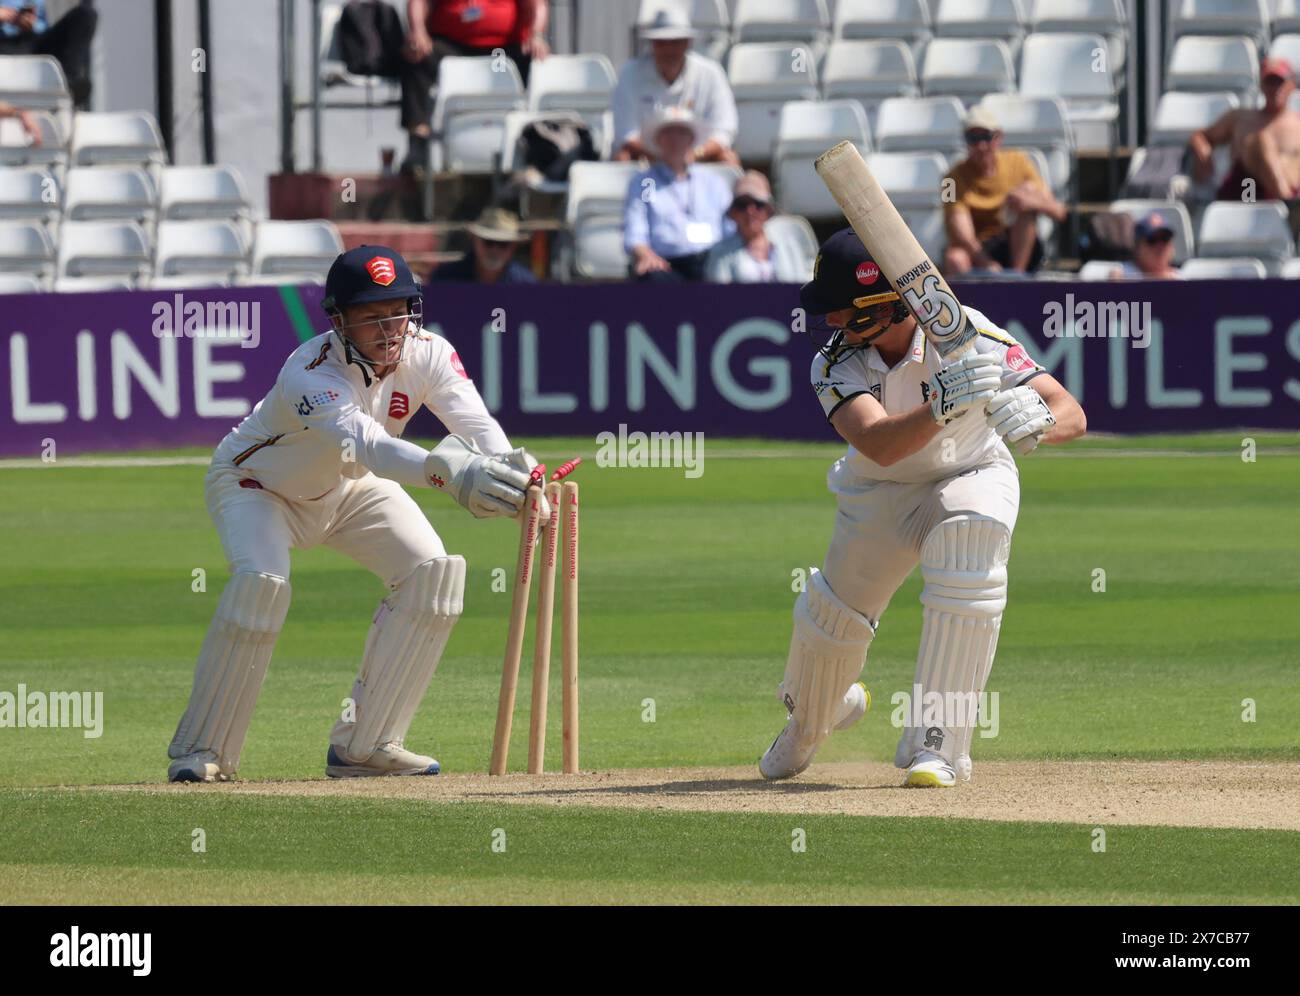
[(1020, 416), (484, 485), (968, 382), (521, 459)]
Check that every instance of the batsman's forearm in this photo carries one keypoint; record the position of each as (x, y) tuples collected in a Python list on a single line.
[(1071, 423), (894, 437)]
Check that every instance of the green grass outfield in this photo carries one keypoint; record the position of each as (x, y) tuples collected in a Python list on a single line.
[(686, 602)]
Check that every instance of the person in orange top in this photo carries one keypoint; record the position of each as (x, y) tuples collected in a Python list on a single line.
[(461, 27), (991, 203)]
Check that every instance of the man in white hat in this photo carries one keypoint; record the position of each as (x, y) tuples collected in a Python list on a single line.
[(675, 211), (671, 75), (494, 239)]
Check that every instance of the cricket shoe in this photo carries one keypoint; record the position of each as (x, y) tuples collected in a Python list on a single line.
[(785, 758), (929, 770), (201, 766), (388, 759)]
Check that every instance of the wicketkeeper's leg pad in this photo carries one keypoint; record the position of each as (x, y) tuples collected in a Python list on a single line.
[(405, 643), (827, 652), (964, 566), (231, 667)]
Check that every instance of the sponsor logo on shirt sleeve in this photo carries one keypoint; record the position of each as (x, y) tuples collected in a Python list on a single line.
[(1018, 359), (399, 406), (458, 366), (310, 402)]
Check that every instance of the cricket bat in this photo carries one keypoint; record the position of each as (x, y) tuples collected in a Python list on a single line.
[(894, 248)]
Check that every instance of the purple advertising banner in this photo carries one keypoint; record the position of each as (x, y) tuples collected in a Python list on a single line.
[(148, 369)]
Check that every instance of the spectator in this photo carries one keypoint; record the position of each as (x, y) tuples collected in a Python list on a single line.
[(1265, 142), (24, 30), (494, 237), (674, 212), (461, 27), (748, 256), (1153, 252), (26, 119), (991, 203), (673, 76)]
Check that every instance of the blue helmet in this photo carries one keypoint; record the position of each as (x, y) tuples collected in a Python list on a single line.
[(364, 275)]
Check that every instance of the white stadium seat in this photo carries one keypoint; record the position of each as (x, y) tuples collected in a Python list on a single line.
[(1175, 216), (342, 86), (764, 77), (967, 67), (1098, 269), (25, 247), (924, 124), (911, 179), (20, 283), (474, 92), (571, 82), (1221, 17), (1179, 114), (927, 225), (191, 192), (103, 249), (1003, 19), (1066, 65), (109, 193), (872, 19), (1286, 16), (594, 217), (869, 70), (93, 285), (1230, 228), (1239, 268), (28, 195), (280, 280), (35, 83), (781, 20), (512, 160), (116, 137), (1287, 47), (190, 281), (795, 234), (598, 248), (1096, 17), (15, 149), (295, 246), (1290, 269), (807, 129), (1202, 63), (199, 247)]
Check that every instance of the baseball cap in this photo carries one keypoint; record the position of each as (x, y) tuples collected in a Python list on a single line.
[(844, 276), (365, 274), (1151, 224), (1275, 65)]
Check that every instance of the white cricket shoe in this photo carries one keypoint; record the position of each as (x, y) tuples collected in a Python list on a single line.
[(388, 759), (929, 770), (785, 758), (201, 766)]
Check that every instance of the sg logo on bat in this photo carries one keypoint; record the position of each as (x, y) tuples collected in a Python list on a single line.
[(939, 314)]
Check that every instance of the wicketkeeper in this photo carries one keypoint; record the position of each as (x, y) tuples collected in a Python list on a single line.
[(320, 461), (928, 479)]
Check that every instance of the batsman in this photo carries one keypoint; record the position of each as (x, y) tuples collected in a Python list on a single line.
[(321, 461), (928, 479)]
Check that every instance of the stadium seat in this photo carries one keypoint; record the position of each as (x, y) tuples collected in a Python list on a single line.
[(474, 92), (807, 129), (797, 235), (116, 137), (103, 249), (1238, 268), (921, 124), (20, 283), (873, 19), (593, 215), (25, 247), (1064, 65), (109, 193), (1040, 123), (345, 87), (280, 280), (1286, 17), (869, 71), (967, 67), (1290, 269), (1096, 17), (52, 153), (295, 247), (1287, 47), (1230, 228), (598, 252), (1098, 269), (192, 192), (1175, 215), (927, 225), (28, 195), (512, 161), (1221, 17), (35, 83), (805, 21), (1179, 114), (571, 82), (1004, 19), (190, 281), (1201, 63), (710, 21), (764, 77), (911, 179), (211, 247), (93, 285)]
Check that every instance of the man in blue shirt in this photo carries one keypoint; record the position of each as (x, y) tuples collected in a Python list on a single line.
[(675, 212), (24, 30), (494, 236)]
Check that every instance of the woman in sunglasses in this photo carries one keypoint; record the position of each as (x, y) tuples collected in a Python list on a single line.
[(1153, 252), (749, 256)]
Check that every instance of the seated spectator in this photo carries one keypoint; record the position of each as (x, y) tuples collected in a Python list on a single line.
[(1153, 252), (24, 30), (30, 125), (748, 256), (494, 237), (991, 203), (461, 27), (674, 212), (1265, 142), (673, 76)]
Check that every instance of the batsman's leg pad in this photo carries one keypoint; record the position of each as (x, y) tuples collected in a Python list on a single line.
[(827, 652), (231, 667), (964, 566), (405, 643)]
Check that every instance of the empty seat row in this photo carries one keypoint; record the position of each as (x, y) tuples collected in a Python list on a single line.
[(122, 192)]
